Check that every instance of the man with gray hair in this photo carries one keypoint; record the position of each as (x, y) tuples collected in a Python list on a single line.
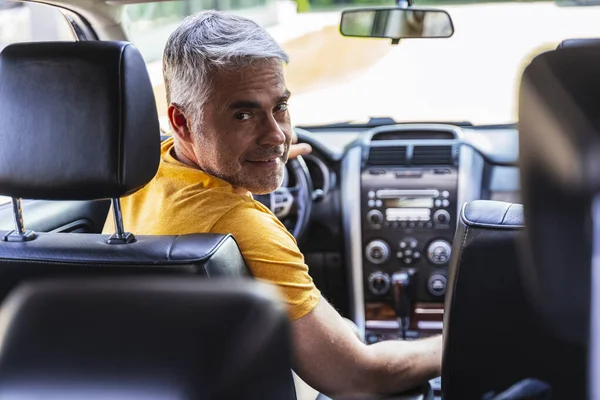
[(232, 136)]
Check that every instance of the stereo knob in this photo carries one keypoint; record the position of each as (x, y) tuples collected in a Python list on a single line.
[(375, 218), (441, 217), (377, 252), (437, 284), (379, 283), (439, 252)]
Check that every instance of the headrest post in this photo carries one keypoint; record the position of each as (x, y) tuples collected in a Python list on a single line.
[(19, 234), (18, 214), (120, 236)]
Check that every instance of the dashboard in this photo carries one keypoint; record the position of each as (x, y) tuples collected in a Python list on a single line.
[(386, 207)]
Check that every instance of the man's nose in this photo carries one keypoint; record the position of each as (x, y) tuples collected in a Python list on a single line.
[(273, 134)]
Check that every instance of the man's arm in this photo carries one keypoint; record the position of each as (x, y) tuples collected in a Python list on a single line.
[(330, 358)]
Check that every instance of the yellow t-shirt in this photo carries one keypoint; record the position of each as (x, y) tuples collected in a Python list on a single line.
[(182, 200)]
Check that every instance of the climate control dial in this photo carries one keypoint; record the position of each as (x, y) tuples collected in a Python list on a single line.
[(377, 252), (379, 283), (439, 252)]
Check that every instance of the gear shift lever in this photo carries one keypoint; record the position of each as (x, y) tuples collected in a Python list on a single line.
[(401, 285)]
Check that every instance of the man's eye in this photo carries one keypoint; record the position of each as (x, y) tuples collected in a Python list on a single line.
[(243, 116), (281, 107)]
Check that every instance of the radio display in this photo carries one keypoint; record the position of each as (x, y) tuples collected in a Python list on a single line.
[(409, 202)]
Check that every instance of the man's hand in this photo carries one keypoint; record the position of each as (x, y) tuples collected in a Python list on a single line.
[(298, 149)]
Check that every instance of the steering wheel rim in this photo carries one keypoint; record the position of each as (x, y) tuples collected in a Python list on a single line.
[(302, 196), (287, 202)]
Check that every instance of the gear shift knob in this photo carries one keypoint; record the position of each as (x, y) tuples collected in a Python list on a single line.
[(402, 298)]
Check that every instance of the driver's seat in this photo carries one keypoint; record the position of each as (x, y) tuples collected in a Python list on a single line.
[(78, 122)]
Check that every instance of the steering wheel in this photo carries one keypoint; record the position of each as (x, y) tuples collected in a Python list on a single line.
[(292, 204)]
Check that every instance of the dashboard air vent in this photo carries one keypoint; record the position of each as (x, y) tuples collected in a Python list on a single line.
[(413, 135), (387, 155), (432, 155)]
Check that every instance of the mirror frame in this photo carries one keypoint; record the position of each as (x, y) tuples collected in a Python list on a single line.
[(395, 40)]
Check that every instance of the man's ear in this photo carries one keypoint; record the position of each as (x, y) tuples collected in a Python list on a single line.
[(179, 122)]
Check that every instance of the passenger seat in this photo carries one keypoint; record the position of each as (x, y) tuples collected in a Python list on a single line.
[(492, 335)]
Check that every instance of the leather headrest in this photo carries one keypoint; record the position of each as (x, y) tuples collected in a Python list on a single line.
[(78, 121), (586, 42), (145, 338), (559, 145)]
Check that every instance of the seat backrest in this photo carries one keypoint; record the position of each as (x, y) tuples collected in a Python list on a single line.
[(89, 131), (169, 338), (493, 337), (559, 146)]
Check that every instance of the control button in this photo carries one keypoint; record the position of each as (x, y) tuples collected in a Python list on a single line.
[(395, 224), (373, 338), (371, 203), (437, 285), (403, 245), (439, 252), (386, 224), (377, 252), (403, 225), (445, 203), (411, 225), (408, 253), (420, 225), (378, 203), (442, 217), (446, 194), (416, 255), (375, 218), (399, 254), (407, 260), (371, 194), (413, 244), (429, 225), (379, 283), (438, 203)]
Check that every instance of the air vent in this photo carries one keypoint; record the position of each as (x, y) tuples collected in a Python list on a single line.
[(387, 155), (413, 135), (432, 155)]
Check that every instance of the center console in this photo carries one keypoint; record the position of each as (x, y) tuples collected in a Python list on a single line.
[(408, 202)]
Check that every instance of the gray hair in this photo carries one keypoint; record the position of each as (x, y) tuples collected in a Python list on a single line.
[(206, 42)]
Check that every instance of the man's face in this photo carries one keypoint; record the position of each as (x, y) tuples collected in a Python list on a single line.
[(244, 133)]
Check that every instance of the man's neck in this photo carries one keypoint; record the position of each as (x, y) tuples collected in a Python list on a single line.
[(182, 158)]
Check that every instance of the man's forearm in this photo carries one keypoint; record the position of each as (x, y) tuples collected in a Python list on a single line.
[(401, 365)]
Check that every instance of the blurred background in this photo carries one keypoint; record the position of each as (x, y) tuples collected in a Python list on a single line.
[(471, 77)]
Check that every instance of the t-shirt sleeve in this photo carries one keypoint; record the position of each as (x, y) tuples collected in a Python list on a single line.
[(272, 255)]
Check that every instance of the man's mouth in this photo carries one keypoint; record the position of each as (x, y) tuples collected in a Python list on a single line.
[(266, 162)]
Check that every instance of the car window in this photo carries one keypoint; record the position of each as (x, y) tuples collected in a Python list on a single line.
[(31, 22)]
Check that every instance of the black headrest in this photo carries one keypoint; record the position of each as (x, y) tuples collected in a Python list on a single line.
[(145, 338), (78, 121), (559, 144), (586, 42)]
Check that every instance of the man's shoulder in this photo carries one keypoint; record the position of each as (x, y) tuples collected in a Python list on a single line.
[(251, 217)]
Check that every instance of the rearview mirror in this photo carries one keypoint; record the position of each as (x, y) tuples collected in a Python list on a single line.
[(396, 23)]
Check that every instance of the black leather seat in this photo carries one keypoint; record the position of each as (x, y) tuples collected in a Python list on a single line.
[(575, 42), (160, 339), (559, 144), (493, 336), (88, 130)]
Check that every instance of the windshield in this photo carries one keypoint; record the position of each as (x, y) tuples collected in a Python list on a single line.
[(472, 76)]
